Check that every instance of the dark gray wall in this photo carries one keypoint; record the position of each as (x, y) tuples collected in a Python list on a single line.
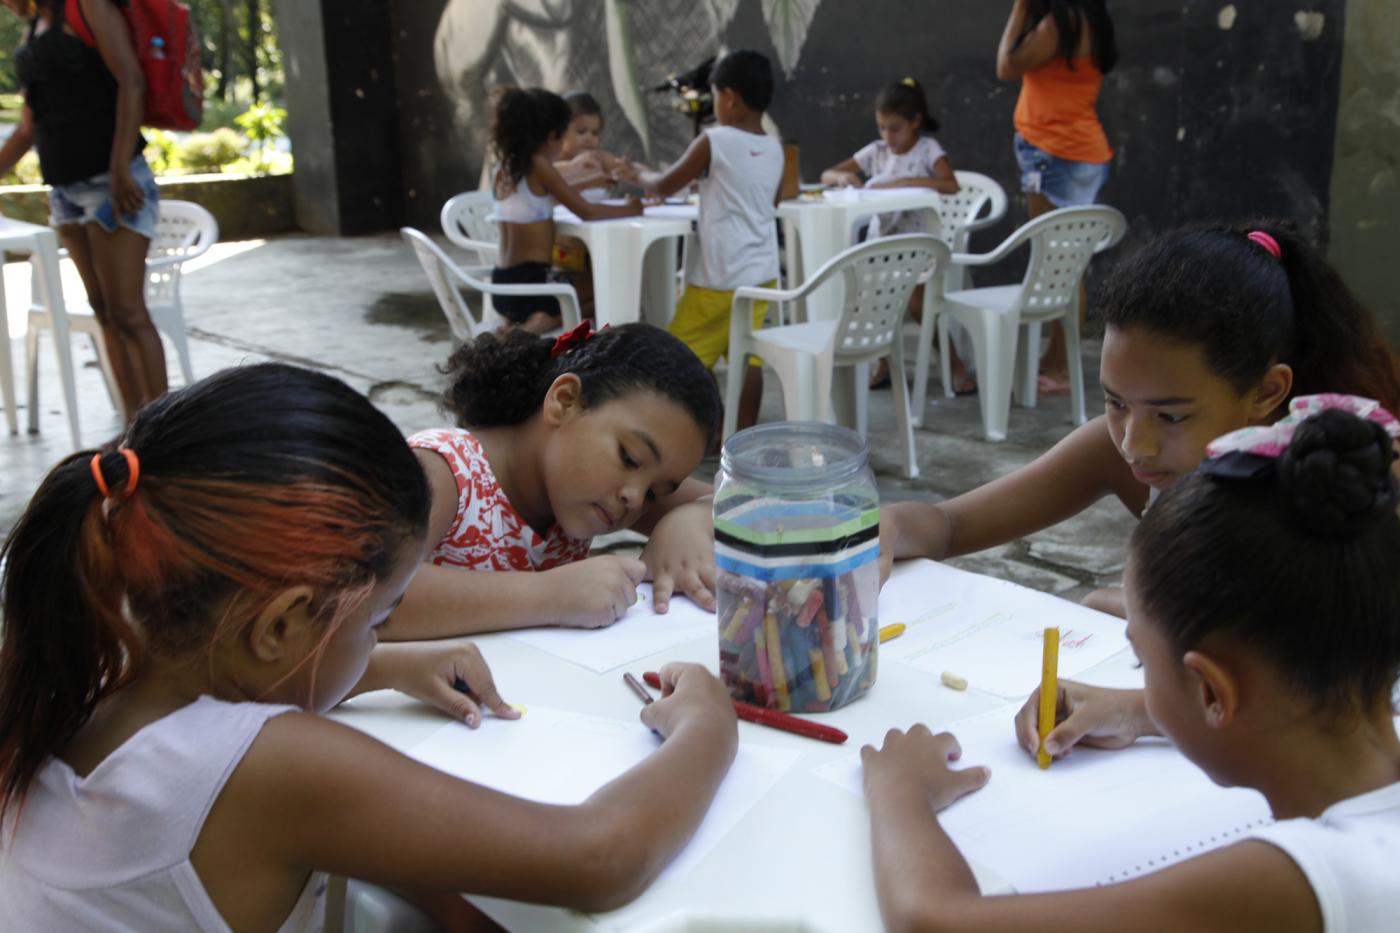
[(1216, 110)]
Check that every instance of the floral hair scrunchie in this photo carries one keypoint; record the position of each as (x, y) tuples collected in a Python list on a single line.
[(1251, 452)]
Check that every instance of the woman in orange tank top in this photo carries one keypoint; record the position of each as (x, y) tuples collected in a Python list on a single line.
[(1060, 51)]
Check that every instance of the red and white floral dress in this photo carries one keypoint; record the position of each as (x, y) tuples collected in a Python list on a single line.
[(488, 534)]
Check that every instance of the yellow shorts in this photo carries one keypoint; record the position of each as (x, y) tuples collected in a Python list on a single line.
[(702, 322)]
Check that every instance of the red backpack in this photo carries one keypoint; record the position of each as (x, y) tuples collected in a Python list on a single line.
[(168, 50)]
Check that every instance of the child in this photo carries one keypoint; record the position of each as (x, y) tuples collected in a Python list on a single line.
[(1208, 329), (558, 442), (905, 156), (1262, 592), (581, 161), (527, 133), (740, 168), (177, 611)]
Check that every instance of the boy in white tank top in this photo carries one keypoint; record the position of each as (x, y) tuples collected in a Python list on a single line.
[(739, 168)]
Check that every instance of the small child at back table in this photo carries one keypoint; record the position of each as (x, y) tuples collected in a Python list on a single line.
[(1263, 592), (740, 168), (558, 442), (905, 156), (527, 134), (178, 610)]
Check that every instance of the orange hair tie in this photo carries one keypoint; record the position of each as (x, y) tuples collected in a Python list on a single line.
[(133, 466)]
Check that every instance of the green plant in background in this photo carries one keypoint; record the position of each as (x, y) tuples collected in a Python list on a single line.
[(262, 123)]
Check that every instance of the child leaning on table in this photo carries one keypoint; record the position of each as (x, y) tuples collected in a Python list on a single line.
[(905, 156), (180, 608), (739, 168), (527, 133), (559, 441), (1207, 329), (1263, 593)]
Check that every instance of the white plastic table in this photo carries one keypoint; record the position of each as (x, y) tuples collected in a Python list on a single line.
[(633, 258), (799, 860), (823, 229), (42, 243)]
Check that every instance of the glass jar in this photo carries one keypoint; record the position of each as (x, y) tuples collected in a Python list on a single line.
[(797, 545)]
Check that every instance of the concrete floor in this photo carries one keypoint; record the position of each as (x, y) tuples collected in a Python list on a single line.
[(361, 309)]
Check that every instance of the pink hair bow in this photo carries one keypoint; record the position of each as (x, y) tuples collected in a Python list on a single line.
[(1272, 440)]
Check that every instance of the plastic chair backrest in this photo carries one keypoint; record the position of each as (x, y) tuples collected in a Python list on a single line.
[(443, 276), (961, 213), (879, 276), (184, 230), (466, 221), (1062, 243)]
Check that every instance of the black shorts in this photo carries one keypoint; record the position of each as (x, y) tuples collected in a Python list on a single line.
[(518, 308)]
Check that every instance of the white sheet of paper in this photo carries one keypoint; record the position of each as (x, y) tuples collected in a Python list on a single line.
[(989, 631), (1093, 818), (639, 634), (555, 756)]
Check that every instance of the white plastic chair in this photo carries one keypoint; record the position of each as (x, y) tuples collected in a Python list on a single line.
[(467, 222), (446, 278), (184, 231), (1062, 242), (879, 276)]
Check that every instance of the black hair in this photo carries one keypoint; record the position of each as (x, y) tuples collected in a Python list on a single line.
[(1070, 17), (522, 120), (1212, 286), (748, 74), (583, 104), (907, 99), (1301, 565), (500, 379), (246, 483)]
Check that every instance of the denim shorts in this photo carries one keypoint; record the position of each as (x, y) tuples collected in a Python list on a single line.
[(90, 201), (1064, 183)]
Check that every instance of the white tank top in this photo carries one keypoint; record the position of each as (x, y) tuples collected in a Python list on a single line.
[(738, 239), (522, 206), (111, 851)]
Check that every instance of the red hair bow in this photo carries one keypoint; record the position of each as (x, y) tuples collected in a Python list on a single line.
[(572, 339)]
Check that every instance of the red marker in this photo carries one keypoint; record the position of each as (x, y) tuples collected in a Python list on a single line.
[(771, 717)]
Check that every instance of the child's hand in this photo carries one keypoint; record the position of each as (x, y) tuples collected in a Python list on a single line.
[(1095, 716), (920, 758), (691, 695), (633, 205), (680, 556), (844, 179), (596, 592), (452, 676)]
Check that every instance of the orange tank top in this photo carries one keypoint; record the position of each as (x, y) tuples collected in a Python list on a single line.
[(1055, 111)]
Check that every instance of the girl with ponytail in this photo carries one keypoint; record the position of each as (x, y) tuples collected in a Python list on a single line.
[(179, 606), (556, 442), (1208, 329), (1263, 592)]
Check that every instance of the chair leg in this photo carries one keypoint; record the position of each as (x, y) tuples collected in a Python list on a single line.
[(1028, 367), (903, 420), (733, 385), (1076, 368), (861, 385), (945, 356), (994, 344), (921, 364), (31, 369), (843, 395)]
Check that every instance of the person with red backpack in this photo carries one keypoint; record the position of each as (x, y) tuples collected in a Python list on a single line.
[(83, 111)]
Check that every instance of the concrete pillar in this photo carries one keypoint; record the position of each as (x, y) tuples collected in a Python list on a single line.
[(342, 114)]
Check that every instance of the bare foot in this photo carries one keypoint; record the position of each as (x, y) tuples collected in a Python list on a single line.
[(880, 374), (1047, 384)]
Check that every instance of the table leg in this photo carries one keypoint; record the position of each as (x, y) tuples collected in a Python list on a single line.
[(51, 294), (616, 253), (819, 239), (659, 280), (7, 366)]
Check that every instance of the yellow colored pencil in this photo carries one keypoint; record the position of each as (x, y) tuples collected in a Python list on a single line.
[(891, 631), (1049, 690)]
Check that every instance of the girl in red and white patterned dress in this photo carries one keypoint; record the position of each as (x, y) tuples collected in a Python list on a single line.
[(559, 441)]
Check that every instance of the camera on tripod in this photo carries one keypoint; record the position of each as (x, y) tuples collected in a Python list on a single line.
[(692, 90)]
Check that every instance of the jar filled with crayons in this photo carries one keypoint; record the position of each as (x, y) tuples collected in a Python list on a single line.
[(797, 545)]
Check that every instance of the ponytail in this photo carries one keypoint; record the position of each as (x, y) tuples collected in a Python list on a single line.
[(66, 645), (906, 98), (1217, 287), (502, 379), (229, 491), (1336, 344)]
